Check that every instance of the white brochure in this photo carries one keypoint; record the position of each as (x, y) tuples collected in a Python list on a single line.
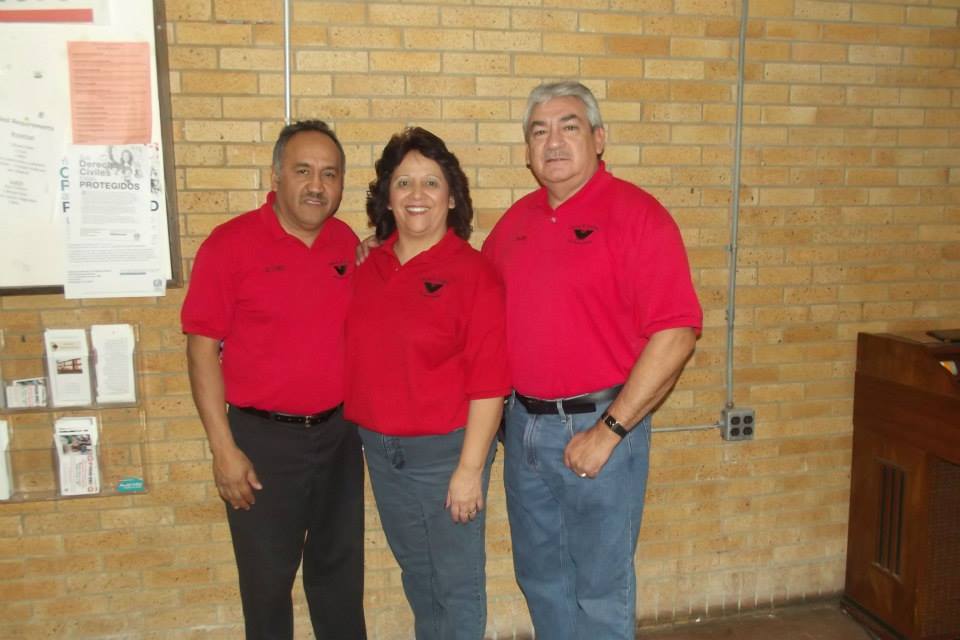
[(27, 392), (75, 440), (6, 472), (113, 355), (68, 367)]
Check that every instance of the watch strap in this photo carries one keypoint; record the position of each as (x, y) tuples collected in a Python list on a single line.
[(613, 424)]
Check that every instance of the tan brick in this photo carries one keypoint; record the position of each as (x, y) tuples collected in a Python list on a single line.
[(205, 33), (340, 61), (934, 17), (179, 10), (347, 12), (635, 45), (483, 63), (365, 37), (674, 69), (868, 12), (192, 58), (610, 23), (219, 82), (543, 19), (447, 86), (475, 17), (444, 39), (408, 109), (404, 61), (248, 10), (223, 178), (403, 14), (221, 131), (251, 59), (829, 11), (531, 41)]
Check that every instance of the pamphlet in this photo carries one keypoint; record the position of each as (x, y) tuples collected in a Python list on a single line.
[(75, 440), (113, 351), (68, 366), (27, 392)]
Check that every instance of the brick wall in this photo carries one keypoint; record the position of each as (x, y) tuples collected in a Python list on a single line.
[(850, 210)]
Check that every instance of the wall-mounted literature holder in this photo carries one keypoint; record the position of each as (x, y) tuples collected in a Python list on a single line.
[(71, 419)]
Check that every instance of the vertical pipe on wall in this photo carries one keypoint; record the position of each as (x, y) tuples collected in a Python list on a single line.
[(735, 208), (286, 61)]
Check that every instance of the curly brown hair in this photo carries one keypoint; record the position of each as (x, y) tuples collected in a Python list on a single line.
[(430, 146)]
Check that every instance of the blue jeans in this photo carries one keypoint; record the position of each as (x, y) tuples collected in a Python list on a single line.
[(574, 538), (442, 563)]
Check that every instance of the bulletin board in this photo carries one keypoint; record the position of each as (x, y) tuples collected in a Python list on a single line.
[(87, 188)]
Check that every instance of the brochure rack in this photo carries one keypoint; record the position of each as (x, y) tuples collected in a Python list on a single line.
[(55, 452)]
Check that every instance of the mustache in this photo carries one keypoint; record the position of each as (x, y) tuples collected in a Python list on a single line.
[(316, 195), (554, 154)]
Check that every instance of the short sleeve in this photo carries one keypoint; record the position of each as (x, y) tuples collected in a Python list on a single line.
[(659, 274), (485, 353), (207, 309)]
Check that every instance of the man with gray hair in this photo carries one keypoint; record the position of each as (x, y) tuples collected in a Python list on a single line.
[(264, 322), (601, 318)]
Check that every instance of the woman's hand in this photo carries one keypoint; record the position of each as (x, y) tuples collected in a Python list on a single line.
[(465, 494)]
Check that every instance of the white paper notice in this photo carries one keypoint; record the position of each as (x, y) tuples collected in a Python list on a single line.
[(68, 367), (6, 471), (113, 353), (75, 440), (109, 193), (27, 170), (115, 243)]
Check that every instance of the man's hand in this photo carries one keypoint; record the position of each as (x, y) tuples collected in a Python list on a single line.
[(465, 494), (589, 450), (235, 477), (363, 249)]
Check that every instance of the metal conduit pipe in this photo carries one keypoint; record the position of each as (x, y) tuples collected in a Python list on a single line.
[(286, 61), (734, 222), (735, 208)]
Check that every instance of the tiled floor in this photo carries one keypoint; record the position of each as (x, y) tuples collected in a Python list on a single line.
[(821, 621)]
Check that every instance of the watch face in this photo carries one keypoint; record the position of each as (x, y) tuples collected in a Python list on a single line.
[(613, 425)]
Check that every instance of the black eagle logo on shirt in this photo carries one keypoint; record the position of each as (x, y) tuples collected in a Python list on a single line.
[(340, 268), (432, 287), (582, 233)]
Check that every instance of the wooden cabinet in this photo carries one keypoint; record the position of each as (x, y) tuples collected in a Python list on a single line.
[(903, 549)]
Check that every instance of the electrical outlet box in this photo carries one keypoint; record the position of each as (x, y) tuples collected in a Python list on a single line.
[(737, 424)]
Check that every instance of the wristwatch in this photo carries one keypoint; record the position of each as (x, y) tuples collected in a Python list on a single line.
[(613, 424)]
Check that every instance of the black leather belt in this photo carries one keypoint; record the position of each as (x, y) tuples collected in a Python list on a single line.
[(587, 403), (290, 418)]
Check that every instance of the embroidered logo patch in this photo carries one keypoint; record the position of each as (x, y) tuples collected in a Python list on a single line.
[(340, 268), (581, 234), (432, 287)]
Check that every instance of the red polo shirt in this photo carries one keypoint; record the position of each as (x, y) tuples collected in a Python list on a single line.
[(587, 284), (423, 339), (278, 306)]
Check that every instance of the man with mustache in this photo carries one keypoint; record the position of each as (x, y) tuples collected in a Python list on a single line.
[(601, 318), (264, 322)]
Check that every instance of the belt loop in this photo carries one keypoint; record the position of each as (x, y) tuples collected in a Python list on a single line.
[(560, 411)]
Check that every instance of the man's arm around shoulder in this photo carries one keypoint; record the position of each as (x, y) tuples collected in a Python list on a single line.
[(232, 470)]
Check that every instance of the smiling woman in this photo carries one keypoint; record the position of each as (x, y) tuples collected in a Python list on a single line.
[(426, 376)]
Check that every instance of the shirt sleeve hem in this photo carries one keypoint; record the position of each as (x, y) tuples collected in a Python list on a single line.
[(675, 323), (200, 330), (494, 393)]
